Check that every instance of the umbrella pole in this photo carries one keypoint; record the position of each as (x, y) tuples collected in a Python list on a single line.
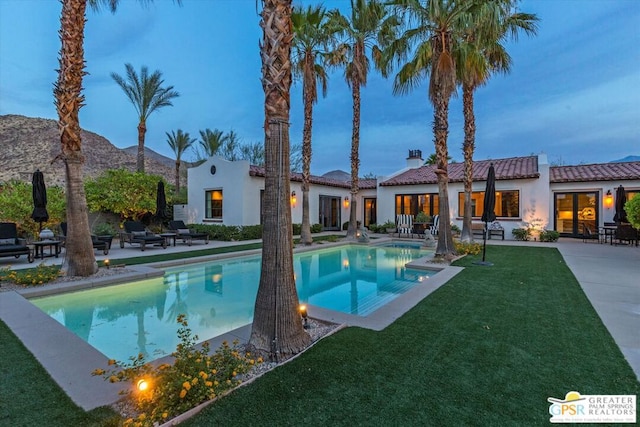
[(484, 245)]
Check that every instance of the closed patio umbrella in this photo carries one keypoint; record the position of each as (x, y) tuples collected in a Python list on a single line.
[(39, 193), (621, 199), (161, 204), (488, 211)]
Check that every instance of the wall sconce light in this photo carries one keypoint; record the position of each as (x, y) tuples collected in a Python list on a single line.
[(346, 202), (608, 200), (303, 313), (293, 199)]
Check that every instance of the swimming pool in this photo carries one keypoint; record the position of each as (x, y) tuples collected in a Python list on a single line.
[(219, 296)]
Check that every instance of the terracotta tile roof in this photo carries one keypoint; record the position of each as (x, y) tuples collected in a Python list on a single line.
[(595, 172), (513, 168), (363, 184)]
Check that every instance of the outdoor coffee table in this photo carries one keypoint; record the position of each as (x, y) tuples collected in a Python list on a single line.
[(54, 246), (168, 237)]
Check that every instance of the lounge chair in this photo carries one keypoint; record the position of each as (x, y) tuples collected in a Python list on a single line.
[(136, 233), (97, 243), (436, 224), (404, 225), (10, 244), (187, 235)]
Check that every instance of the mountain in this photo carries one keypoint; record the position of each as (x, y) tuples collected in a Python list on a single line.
[(627, 159), (30, 143)]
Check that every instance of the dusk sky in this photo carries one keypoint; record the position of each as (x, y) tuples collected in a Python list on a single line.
[(573, 92)]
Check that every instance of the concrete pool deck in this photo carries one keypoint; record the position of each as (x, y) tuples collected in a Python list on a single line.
[(608, 275)]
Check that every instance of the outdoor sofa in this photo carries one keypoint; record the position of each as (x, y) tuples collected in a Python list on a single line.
[(136, 233), (10, 244), (186, 234)]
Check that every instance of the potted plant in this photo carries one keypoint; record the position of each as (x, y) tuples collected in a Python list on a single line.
[(389, 226), (421, 223)]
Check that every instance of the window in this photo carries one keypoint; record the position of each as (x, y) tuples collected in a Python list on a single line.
[(507, 204), (411, 204), (213, 205)]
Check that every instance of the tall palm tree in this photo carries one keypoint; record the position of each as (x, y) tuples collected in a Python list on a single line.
[(309, 47), (480, 54), (179, 142), (80, 260), (277, 329), (211, 141), (147, 95), (433, 30), (368, 28)]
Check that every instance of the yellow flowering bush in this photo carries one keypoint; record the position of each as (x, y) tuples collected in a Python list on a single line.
[(465, 248), (31, 276), (195, 377)]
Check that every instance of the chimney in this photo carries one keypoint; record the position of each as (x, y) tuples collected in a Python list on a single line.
[(415, 159)]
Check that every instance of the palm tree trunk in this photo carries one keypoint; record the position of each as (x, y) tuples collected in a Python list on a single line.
[(79, 259), (468, 147), (178, 175), (277, 328), (142, 130), (355, 159), (305, 232)]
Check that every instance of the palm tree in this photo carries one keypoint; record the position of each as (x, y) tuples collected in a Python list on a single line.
[(80, 260), (147, 95), (179, 142), (230, 146), (277, 329), (309, 47), (480, 54), (253, 152), (432, 34), (368, 28), (211, 141)]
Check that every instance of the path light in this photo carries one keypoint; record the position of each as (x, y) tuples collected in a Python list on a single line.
[(608, 200), (303, 313), (142, 385), (106, 263)]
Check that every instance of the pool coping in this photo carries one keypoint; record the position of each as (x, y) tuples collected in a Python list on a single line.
[(70, 360)]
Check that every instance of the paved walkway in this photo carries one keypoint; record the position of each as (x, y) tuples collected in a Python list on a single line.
[(609, 276)]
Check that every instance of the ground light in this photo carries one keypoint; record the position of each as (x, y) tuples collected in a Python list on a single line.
[(142, 385), (106, 263), (303, 313)]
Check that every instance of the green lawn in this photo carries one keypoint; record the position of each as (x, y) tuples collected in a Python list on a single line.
[(487, 348)]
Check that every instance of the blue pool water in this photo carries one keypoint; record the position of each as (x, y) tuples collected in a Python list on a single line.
[(219, 296)]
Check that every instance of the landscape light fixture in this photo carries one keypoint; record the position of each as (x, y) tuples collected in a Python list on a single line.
[(106, 263), (293, 199), (142, 385), (346, 202), (303, 313)]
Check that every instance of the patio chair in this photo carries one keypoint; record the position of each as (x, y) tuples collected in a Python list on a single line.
[(97, 243), (626, 233), (10, 244), (135, 233), (433, 229), (588, 235), (187, 235), (404, 224)]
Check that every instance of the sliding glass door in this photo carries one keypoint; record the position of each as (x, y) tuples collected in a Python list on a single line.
[(574, 212)]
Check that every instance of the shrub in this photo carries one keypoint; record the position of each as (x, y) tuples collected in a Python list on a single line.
[(194, 377), (104, 229), (297, 229), (455, 228), (422, 217), (632, 208), (549, 236), (468, 248), (316, 228), (32, 276), (523, 234)]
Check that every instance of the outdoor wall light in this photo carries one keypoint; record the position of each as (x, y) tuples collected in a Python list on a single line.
[(142, 385), (303, 313), (346, 202), (608, 200), (293, 199), (106, 263)]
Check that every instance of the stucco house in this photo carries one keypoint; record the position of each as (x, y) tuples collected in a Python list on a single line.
[(529, 193)]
